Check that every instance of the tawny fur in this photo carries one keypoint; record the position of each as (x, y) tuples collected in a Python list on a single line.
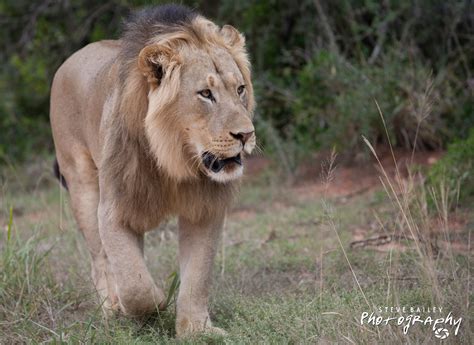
[(129, 131)]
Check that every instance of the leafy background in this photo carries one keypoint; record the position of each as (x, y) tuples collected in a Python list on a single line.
[(318, 68)]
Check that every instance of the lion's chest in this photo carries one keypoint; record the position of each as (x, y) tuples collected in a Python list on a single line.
[(144, 209)]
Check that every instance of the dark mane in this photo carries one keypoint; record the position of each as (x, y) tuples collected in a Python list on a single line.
[(148, 22), (170, 14)]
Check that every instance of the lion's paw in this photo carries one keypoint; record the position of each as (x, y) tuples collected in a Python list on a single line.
[(187, 328), (215, 330), (110, 306)]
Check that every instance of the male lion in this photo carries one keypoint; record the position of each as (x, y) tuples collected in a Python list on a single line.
[(152, 125)]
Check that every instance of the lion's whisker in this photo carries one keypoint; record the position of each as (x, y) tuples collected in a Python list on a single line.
[(258, 148), (194, 161)]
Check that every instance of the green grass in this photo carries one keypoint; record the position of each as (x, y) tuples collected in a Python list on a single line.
[(281, 276)]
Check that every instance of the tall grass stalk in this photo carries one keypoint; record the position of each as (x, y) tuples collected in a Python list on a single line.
[(409, 198), (328, 175)]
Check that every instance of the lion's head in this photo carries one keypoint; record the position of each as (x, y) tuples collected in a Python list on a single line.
[(200, 100)]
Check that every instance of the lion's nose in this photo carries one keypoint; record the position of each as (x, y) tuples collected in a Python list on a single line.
[(242, 136)]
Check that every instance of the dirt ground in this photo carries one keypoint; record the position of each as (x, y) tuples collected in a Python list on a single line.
[(298, 263)]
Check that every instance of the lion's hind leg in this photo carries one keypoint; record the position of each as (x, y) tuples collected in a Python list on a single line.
[(84, 193)]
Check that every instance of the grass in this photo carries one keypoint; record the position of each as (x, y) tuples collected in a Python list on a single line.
[(285, 272)]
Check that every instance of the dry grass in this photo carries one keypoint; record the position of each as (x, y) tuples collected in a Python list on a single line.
[(285, 274)]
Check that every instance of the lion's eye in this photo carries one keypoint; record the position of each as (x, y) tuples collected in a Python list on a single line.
[(207, 94), (240, 89)]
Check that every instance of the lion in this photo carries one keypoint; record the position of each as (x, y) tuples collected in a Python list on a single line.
[(153, 125)]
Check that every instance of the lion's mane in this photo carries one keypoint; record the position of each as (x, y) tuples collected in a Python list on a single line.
[(128, 164)]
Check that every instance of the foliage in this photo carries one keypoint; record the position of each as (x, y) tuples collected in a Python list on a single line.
[(318, 66), (38, 36), (455, 170), (344, 106)]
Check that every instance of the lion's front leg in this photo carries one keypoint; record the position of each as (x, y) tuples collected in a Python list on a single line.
[(136, 290), (197, 248)]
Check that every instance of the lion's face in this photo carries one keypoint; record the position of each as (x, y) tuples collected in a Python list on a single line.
[(200, 113), (217, 127)]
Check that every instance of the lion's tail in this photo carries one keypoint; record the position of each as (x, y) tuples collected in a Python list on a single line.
[(58, 174)]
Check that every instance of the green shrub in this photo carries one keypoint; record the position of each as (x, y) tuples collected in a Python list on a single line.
[(455, 171), (333, 104), (319, 73), (316, 70)]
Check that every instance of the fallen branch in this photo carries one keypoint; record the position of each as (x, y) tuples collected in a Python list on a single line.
[(379, 240)]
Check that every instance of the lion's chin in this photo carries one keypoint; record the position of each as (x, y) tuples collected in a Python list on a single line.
[(226, 175)]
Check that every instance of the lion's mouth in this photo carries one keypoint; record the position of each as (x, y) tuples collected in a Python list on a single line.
[(216, 164)]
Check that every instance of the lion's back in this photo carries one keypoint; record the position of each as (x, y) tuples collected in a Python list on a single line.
[(79, 89), (84, 70)]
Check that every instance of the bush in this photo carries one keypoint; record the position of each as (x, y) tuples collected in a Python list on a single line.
[(454, 172), (335, 104), (37, 37), (318, 66), (320, 69)]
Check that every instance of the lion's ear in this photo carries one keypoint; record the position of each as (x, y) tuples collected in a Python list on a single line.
[(153, 61), (232, 36)]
